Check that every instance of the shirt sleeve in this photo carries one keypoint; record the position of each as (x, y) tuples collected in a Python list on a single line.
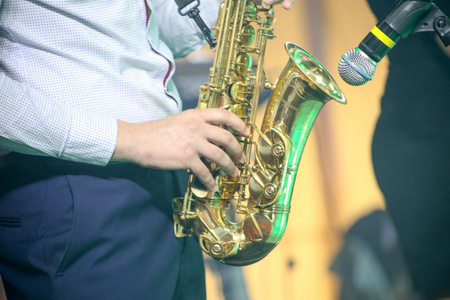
[(181, 33), (32, 124)]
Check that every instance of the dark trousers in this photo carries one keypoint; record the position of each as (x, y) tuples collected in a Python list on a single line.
[(71, 231)]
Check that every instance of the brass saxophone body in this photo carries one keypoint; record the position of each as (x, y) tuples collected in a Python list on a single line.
[(242, 222)]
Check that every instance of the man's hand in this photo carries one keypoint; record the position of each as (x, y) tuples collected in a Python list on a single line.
[(286, 4), (179, 141)]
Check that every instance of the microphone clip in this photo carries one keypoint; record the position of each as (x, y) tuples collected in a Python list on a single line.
[(442, 27), (430, 16)]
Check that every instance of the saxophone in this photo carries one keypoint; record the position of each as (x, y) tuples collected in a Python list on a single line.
[(242, 222)]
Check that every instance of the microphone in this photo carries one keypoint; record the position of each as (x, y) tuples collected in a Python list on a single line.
[(358, 65)]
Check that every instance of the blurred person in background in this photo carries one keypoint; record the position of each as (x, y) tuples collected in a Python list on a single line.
[(411, 153)]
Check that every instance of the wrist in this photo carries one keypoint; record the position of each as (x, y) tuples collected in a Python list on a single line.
[(124, 145)]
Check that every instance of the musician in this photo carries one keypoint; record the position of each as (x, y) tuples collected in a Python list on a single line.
[(411, 147), (90, 138)]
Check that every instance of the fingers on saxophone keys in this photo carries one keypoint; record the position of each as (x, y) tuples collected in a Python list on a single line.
[(215, 154), (220, 116), (222, 137), (286, 4), (199, 169)]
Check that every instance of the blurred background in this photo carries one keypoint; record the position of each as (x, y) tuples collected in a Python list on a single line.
[(335, 188)]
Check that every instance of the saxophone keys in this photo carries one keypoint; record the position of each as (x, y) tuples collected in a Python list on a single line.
[(228, 185), (243, 64), (263, 188), (247, 35), (257, 227)]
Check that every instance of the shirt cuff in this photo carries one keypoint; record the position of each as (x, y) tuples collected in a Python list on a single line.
[(91, 139)]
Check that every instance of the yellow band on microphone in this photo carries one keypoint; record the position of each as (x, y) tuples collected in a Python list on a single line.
[(382, 37)]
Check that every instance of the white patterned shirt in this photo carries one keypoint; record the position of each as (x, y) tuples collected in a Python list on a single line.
[(70, 68)]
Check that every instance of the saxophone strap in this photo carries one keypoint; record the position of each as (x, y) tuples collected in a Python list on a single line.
[(190, 8)]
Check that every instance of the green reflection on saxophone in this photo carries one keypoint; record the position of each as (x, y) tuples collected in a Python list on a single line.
[(246, 219)]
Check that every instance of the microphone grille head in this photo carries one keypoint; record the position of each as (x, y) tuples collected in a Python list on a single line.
[(356, 68)]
